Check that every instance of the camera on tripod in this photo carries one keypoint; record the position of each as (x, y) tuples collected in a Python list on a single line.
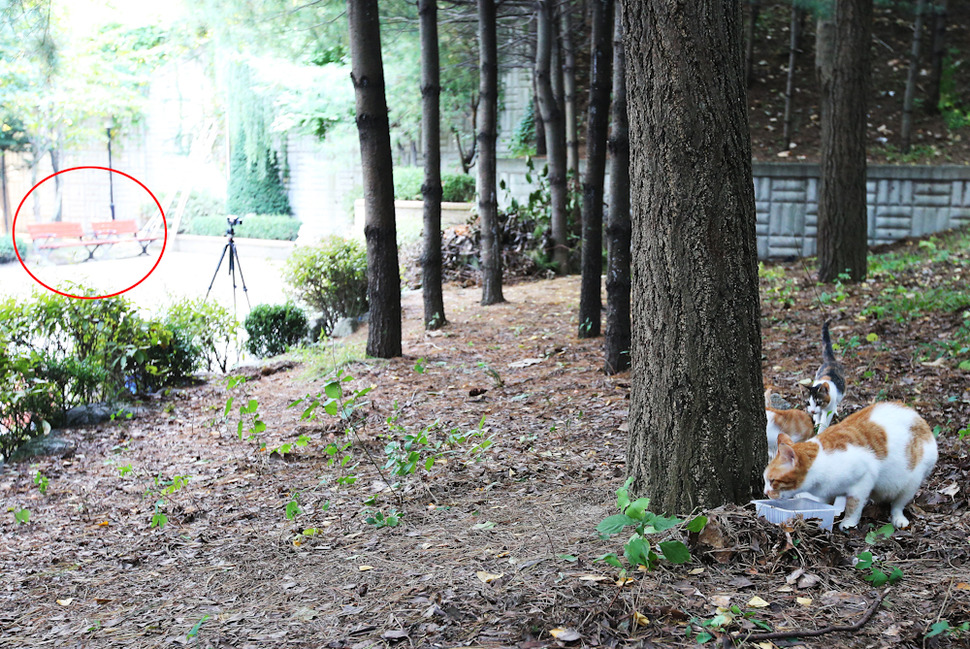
[(233, 221)]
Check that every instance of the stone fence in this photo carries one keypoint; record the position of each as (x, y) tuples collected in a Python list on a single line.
[(903, 201)]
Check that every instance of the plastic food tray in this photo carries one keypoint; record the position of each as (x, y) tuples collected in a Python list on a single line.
[(781, 510)]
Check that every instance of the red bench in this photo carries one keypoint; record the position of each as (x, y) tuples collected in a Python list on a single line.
[(116, 228), (51, 236)]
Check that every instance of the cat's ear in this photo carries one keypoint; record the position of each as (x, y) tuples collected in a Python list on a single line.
[(783, 438), (787, 453)]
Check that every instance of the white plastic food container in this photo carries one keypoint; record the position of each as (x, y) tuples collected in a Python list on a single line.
[(779, 510)]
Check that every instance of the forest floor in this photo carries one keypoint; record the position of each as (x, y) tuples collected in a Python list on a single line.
[(495, 544)]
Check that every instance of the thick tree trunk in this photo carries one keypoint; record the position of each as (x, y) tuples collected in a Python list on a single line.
[(58, 185), (697, 425), (797, 15), (618, 228), (383, 274), (554, 121), (487, 135), (597, 133), (749, 37), (906, 130), (434, 304), (842, 244), (939, 53), (541, 149)]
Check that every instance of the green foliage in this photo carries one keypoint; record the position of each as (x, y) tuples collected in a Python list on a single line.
[(7, 254), (253, 190), (249, 426), (456, 188), (954, 113), (293, 506), (42, 482), (379, 519), (884, 532), (273, 328), (776, 286), (943, 626), (199, 205), (330, 278), (256, 226), (22, 515), (524, 137), (638, 550), (203, 333), (877, 577)]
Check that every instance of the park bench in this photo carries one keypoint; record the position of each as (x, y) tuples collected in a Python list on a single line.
[(66, 234), (116, 229)]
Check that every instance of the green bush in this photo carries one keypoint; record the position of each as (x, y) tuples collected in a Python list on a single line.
[(455, 188), (204, 332), (258, 226), (330, 278), (200, 205), (7, 254), (253, 191), (272, 328)]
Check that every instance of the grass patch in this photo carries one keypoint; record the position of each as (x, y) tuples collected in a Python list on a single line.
[(327, 357)]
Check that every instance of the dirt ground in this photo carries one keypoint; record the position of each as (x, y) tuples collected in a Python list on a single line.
[(494, 548)]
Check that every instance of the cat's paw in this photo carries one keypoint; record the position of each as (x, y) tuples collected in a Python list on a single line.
[(900, 521), (847, 525)]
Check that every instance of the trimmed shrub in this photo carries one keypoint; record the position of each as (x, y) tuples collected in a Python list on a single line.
[(7, 254), (204, 332), (455, 188), (200, 205), (256, 226), (251, 191), (273, 328), (330, 278)]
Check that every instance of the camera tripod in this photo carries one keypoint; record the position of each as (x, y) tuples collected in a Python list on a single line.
[(234, 261)]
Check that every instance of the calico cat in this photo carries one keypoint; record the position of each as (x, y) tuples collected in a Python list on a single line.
[(796, 424), (883, 452), (826, 393)]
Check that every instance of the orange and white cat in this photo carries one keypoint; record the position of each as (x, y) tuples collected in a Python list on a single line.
[(883, 453), (796, 424)]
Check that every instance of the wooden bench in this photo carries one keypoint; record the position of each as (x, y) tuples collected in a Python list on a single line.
[(116, 228), (66, 234)]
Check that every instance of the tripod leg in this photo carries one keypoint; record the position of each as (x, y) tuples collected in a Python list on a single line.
[(224, 249), (235, 251)]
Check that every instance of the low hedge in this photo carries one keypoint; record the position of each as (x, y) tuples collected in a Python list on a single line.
[(281, 228)]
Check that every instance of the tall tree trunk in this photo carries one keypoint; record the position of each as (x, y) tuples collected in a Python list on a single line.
[(569, 91), (796, 28), (697, 425), (58, 185), (842, 241), (618, 228), (553, 119), (906, 130), (6, 192), (380, 230), (487, 135), (540, 127), (434, 304), (939, 53), (749, 37), (597, 133)]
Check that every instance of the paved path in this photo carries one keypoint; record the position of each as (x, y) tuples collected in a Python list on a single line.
[(179, 274)]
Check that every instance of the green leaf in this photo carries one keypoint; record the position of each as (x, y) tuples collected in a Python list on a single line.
[(229, 402), (568, 557), (614, 524), (22, 516), (937, 628), (609, 558), (675, 551), (877, 578), (429, 463), (872, 338), (864, 560), (703, 637), (637, 508), (487, 525), (234, 381), (158, 520), (333, 390), (697, 524), (292, 509), (623, 495), (895, 575), (637, 551), (661, 523), (194, 631)]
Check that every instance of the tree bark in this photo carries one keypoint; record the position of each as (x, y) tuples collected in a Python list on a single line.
[(796, 27), (487, 135), (697, 425), (58, 187), (434, 304), (6, 192), (618, 228), (383, 274), (906, 130), (749, 41), (939, 53), (842, 228), (597, 133), (569, 91), (553, 119)]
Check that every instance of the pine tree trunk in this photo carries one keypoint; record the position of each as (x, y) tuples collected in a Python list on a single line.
[(618, 228), (796, 27), (58, 186), (906, 130), (939, 53), (434, 305), (487, 135), (569, 91), (697, 425), (597, 133), (842, 229), (554, 121), (6, 192), (383, 274), (749, 37)]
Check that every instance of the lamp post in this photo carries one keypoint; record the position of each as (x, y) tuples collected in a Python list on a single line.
[(111, 184)]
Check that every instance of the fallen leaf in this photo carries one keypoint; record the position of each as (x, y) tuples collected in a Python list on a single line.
[(365, 568), (722, 601), (757, 602), (950, 490), (640, 618), (804, 601), (565, 635), (525, 362), (304, 613), (766, 645), (104, 523), (963, 586), (488, 577), (395, 634), (697, 571), (592, 578), (66, 601), (623, 581), (808, 580), (793, 577)]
